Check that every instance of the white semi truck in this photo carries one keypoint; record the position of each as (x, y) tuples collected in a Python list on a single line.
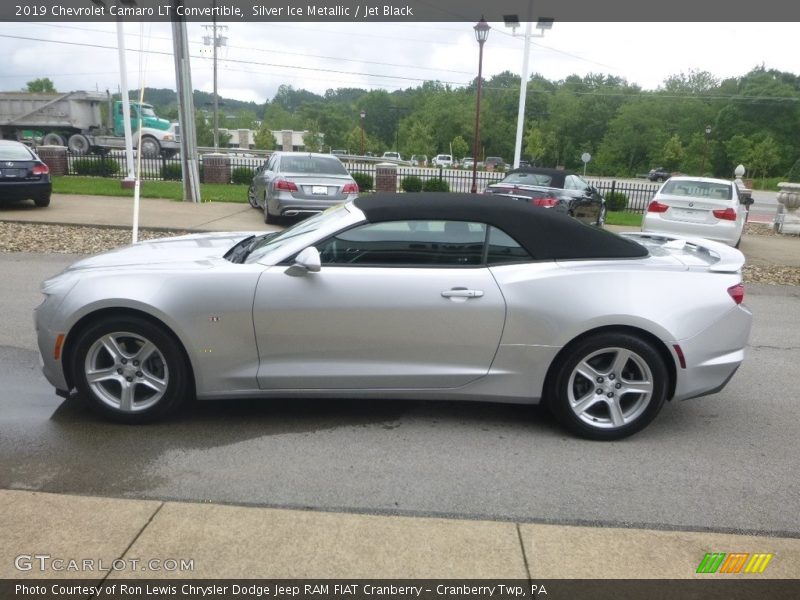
[(74, 120)]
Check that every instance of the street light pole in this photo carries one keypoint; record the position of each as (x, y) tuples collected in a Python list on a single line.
[(363, 116), (705, 149), (542, 25), (481, 34)]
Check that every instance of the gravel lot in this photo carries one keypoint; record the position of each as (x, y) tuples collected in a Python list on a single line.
[(68, 239)]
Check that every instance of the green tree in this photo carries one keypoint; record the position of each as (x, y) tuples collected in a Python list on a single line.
[(460, 147), (765, 157), (313, 140), (534, 142), (41, 85), (264, 138), (673, 153)]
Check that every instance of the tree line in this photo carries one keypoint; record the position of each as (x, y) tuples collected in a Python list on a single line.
[(752, 120)]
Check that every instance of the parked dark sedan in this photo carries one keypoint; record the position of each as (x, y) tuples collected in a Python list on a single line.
[(659, 174), (563, 191), (22, 174)]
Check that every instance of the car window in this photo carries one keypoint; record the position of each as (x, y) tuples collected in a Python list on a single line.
[(312, 165), (271, 164), (529, 179), (503, 249), (15, 152), (698, 189), (407, 243)]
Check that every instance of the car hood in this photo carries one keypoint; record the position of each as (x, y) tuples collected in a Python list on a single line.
[(187, 250)]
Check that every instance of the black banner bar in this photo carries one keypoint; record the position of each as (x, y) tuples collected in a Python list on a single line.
[(397, 10), (712, 588)]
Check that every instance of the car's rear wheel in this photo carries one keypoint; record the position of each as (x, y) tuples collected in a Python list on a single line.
[(42, 201), (608, 386), (129, 370)]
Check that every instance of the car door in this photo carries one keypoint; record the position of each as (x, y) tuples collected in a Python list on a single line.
[(585, 206), (395, 305)]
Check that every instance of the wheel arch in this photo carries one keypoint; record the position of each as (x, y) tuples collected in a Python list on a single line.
[(67, 354), (655, 341)]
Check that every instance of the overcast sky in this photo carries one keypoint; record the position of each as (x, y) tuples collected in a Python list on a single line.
[(259, 57)]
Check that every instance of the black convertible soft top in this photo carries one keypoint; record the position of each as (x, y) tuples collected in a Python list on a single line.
[(545, 234)]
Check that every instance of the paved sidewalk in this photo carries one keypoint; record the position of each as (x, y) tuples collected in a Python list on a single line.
[(245, 542), (233, 541)]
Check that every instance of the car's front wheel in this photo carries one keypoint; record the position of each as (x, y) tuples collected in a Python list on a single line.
[(129, 370), (608, 386)]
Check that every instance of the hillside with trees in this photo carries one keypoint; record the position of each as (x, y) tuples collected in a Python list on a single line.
[(754, 120)]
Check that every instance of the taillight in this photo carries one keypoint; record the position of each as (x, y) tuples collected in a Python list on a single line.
[(350, 188), (656, 207), (285, 185), (737, 293), (727, 215), (545, 202), (40, 170)]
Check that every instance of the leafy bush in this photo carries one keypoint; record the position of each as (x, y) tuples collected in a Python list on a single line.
[(171, 172), (616, 201), (411, 183), (242, 175), (793, 175), (436, 185), (97, 167), (364, 180)]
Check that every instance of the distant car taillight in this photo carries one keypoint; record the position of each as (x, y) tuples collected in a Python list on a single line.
[(40, 170), (727, 215), (285, 185), (656, 207), (350, 188), (545, 202), (737, 293)]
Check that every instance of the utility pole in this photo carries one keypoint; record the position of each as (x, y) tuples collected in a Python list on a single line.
[(183, 80), (215, 41)]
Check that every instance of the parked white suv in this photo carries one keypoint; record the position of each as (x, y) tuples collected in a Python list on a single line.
[(392, 155), (442, 160)]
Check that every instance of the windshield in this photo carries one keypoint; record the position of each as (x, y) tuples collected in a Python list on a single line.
[(528, 179), (147, 111), (268, 244), (316, 165), (698, 189), (15, 152)]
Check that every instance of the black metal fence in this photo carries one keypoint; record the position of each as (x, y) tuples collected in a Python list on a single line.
[(638, 195), (113, 164)]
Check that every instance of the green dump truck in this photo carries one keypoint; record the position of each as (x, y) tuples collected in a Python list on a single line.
[(74, 119)]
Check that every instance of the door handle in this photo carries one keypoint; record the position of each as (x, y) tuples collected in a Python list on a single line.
[(462, 293)]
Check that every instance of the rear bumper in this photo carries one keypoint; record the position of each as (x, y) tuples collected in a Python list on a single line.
[(289, 206), (713, 355), (727, 232), (23, 190)]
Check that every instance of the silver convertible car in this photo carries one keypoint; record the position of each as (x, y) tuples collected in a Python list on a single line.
[(423, 296)]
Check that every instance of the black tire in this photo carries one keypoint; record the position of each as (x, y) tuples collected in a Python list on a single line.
[(150, 147), (268, 217), (616, 362), (53, 139), (42, 201), (79, 144), (142, 373), (251, 196)]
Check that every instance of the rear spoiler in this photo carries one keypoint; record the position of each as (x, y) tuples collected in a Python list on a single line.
[(721, 257)]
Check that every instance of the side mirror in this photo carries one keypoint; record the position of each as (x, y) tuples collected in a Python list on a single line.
[(308, 260)]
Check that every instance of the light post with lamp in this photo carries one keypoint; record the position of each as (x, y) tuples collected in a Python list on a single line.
[(481, 34), (363, 116), (705, 149), (543, 24)]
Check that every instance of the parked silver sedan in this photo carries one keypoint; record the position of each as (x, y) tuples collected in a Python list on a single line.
[(423, 296), (292, 184)]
